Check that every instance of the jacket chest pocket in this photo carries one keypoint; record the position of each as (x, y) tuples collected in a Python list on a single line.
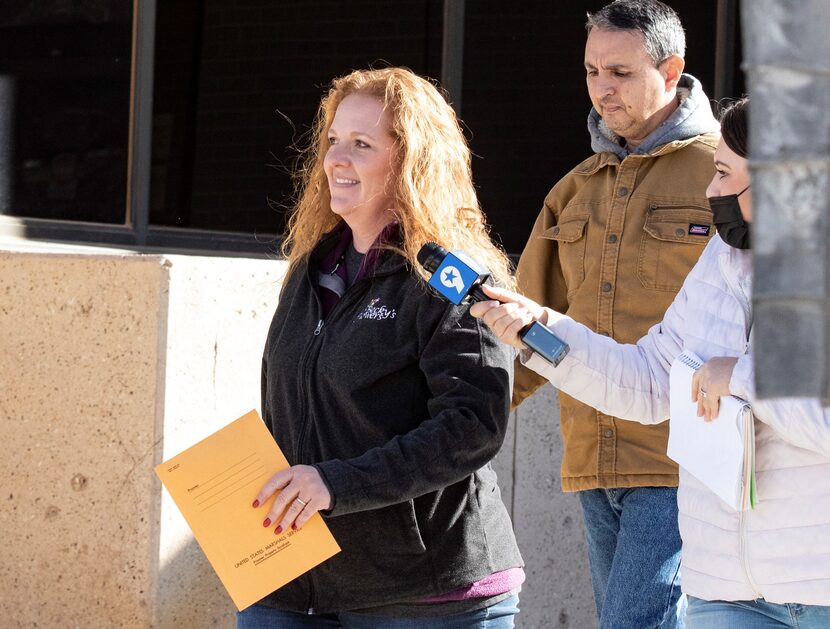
[(570, 236), (673, 239)]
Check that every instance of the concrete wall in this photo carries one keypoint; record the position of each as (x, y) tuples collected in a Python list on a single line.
[(557, 593), (79, 340), (113, 362), (217, 320)]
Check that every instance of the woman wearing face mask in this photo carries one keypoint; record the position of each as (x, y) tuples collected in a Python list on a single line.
[(767, 567)]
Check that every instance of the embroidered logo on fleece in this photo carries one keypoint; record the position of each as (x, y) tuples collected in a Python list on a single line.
[(699, 229), (377, 313)]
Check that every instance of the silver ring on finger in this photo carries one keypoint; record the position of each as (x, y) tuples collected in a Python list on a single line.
[(703, 394), (301, 501)]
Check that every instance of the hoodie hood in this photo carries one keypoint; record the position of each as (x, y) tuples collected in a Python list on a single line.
[(692, 117)]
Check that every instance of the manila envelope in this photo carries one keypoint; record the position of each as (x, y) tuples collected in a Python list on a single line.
[(213, 483)]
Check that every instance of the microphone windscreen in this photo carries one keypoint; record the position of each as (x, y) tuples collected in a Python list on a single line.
[(431, 255)]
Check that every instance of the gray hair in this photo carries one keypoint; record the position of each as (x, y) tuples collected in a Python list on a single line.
[(659, 25)]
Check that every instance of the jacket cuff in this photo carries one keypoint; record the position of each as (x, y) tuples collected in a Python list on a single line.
[(742, 383), (552, 317), (321, 470), (532, 360)]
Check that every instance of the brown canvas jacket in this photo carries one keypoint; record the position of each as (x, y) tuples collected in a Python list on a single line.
[(611, 248)]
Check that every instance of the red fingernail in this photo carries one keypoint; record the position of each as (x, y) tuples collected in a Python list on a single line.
[(294, 526), (267, 522), (256, 504), (278, 530)]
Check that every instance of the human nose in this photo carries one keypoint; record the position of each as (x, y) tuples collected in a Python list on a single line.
[(712, 189), (336, 155), (605, 85)]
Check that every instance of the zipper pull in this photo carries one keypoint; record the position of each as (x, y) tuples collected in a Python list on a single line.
[(319, 327)]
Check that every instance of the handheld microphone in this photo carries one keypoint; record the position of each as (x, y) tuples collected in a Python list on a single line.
[(458, 278), (455, 276)]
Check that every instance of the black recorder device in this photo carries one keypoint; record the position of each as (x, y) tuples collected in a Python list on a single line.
[(458, 278)]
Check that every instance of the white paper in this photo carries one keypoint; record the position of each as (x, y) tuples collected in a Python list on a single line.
[(719, 453)]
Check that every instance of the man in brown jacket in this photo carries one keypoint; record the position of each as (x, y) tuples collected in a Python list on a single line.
[(610, 248)]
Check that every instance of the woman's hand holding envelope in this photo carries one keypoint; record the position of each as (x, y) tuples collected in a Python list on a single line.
[(302, 494)]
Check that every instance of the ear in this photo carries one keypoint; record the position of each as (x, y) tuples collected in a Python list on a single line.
[(671, 68)]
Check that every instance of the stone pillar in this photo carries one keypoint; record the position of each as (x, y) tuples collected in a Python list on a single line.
[(112, 363), (787, 51), (79, 402)]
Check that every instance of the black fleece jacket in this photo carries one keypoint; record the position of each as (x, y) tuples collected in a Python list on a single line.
[(400, 400)]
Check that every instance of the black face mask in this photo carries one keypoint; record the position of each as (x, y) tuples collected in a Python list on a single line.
[(728, 220)]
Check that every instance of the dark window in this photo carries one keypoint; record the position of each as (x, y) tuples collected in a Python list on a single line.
[(64, 109), (238, 83), (188, 143), (526, 103)]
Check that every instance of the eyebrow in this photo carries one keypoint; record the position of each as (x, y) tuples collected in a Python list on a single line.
[(611, 66), (722, 164), (353, 133)]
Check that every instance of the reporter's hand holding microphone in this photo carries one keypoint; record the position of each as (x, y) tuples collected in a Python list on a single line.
[(507, 313), (515, 319)]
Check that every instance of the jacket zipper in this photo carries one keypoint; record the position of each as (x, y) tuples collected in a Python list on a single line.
[(301, 441), (305, 363), (312, 598), (305, 370), (743, 300), (745, 555), (305, 375)]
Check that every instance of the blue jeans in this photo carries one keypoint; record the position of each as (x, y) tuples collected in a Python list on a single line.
[(758, 614), (634, 553), (498, 616)]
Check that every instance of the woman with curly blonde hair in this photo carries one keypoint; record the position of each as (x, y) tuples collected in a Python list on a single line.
[(433, 194), (388, 401)]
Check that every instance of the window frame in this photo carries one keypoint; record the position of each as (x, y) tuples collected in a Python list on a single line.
[(138, 234)]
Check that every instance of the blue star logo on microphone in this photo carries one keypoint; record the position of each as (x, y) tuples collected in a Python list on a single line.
[(453, 278)]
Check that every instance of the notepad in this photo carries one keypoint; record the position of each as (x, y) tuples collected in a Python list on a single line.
[(719, 453), (213, 483)]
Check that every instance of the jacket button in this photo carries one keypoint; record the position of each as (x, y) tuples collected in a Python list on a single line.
[(606, 287), (555, 231), (608, 433), (622, 191), (679, 232), (612, 238)]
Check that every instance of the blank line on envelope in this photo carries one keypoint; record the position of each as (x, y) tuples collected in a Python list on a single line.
[(229, 481)]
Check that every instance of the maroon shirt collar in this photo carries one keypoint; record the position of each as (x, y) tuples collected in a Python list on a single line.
[(332, 262)]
